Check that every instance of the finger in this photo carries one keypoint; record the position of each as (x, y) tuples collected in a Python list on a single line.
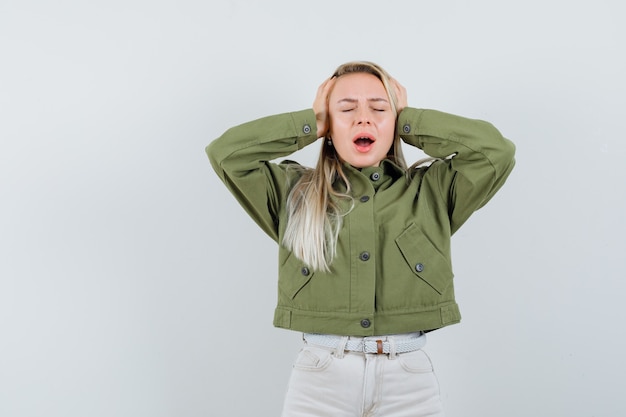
[(321, 91), (398, 87), (401, 94), (327, 86)]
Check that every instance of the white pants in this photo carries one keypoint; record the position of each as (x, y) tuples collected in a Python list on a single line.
[(325, 383)]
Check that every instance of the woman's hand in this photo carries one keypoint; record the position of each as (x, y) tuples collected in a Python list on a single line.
[(320, 107), (400, 94)]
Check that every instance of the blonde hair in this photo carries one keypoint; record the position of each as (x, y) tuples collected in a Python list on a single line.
[(313, 205)]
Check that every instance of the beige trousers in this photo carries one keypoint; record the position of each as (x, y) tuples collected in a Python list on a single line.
[(353, 384)]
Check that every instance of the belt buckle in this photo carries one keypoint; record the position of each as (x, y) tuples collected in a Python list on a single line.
[(379, 347)]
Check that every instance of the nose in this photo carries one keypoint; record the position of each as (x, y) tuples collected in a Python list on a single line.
[(363, 117)]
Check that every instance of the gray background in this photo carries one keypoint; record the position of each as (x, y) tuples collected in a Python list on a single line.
[(132, 284)]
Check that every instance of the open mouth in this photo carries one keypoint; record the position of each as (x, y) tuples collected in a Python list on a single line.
[(363, 143)]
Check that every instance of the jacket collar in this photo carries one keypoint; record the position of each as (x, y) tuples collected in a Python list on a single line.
[(379, 177)]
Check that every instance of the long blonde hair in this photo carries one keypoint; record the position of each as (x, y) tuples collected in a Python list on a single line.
[(313, 209)]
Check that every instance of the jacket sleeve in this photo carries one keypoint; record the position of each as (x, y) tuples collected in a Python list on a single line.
[(475, 159), (242, 158)]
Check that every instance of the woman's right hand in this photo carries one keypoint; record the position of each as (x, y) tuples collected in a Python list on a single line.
[(320, 107)]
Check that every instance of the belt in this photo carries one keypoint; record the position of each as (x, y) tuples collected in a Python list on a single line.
[(382, 345)]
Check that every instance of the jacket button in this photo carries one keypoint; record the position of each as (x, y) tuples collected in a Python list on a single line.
[(305, 271), (364, 199), (375, 176), (406, 128), (306, 129), (364, 256), (419, 267), (365, 323)]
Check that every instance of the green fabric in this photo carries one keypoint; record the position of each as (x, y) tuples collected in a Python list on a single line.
[(406, 284)]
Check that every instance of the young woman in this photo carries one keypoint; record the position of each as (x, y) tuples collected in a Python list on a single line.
[(364, 240)]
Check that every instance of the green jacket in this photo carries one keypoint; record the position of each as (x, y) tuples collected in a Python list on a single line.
[(392, 272)]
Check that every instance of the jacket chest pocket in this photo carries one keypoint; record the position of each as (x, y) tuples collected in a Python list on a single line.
[(424, 258), (293, 276), (298, 281), (302, 288)]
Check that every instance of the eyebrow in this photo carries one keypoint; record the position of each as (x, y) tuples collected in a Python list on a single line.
[(353, 100)]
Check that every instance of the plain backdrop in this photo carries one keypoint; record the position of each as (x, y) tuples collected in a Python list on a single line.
[(133, 285)]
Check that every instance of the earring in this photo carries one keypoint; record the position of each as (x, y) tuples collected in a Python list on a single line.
[(329, 142)]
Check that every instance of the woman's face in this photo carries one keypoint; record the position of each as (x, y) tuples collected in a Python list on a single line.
[(362, 123)]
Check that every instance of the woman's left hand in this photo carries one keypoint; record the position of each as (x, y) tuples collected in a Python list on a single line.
[(400, 94)]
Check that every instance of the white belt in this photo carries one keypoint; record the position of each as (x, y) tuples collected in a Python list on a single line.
[(381, 345)]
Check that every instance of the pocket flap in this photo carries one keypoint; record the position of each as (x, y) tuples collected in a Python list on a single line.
[(424, 258)]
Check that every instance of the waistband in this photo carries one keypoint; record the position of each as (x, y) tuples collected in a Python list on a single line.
[(390, 344)]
